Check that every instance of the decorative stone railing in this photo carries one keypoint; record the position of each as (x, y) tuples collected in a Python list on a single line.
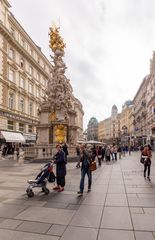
[(44, 152)]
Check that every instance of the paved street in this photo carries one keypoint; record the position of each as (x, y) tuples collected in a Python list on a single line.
[(120, 206)]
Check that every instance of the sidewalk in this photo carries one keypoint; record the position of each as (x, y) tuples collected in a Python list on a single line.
[(120, 206)]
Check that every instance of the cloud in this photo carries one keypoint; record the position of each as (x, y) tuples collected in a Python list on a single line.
[(109, 44)]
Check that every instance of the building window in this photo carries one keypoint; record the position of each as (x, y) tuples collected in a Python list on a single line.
[(38, 93), (30, 70), (37, 76), (10, 125), (21, 127), (22, 42), (44, 82), (22, 82), (21, 104), (11, 75), (11, 53), (12, 31), (11, 100), (31, 108), (30, 88), (31, 52), (22, 63), (30, 128)]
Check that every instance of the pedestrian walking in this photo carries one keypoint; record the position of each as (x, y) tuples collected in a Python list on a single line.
[(78, 156), (112, 153), (119, 150), (60, 161), (99, 155), (94, 153), (65, 149), (115, 152), (103, 153), (146, 155), (85, 169), (107, 154)]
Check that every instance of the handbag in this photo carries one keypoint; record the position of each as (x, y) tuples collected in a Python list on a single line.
[(51, 177), (142, 160), (93, 166)]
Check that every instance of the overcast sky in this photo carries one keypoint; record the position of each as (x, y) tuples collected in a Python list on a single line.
[(109, 45)]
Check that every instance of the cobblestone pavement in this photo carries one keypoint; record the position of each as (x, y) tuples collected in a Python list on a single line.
[(120, 206)]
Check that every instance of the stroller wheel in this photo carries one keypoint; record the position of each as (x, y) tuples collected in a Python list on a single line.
[(46, 191), (30, 194)]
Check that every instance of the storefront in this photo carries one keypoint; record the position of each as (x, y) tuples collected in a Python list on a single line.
[(12, 137), (10, 141), (29, 138)]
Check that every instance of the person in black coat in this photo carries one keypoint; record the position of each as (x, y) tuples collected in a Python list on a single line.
[(60, 161), (65, 149)]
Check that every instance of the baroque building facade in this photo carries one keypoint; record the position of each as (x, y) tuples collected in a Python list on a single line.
[(109, 128), (24, 75), (126, 122), (92, 129), (150, 103), (140, 113)]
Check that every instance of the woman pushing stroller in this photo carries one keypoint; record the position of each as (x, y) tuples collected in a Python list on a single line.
[(60, 161)]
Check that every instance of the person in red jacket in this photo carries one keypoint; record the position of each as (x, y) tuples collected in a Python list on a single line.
[(147, 154)]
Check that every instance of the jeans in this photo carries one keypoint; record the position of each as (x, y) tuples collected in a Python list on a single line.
[(85, 171), (147, 166)]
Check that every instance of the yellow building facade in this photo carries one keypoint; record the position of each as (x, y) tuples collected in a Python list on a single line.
[(24, 72)]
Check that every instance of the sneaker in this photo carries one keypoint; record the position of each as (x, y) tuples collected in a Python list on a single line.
[(56, 188), (81, 193), (148, 178)]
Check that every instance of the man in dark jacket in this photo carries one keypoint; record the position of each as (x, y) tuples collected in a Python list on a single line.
[(65, 149), (85, 169), (59, 160)]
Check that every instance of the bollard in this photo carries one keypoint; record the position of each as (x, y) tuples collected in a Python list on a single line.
[(0, 154), (21, 157), (15, 156)]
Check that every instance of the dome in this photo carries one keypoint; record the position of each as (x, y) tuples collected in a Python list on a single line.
[(93, 121), (114, 107)]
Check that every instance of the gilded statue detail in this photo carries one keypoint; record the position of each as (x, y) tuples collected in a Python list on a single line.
[(56, 41)]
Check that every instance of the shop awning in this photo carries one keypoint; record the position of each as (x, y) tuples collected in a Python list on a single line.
[(13, 137), (29, 137)]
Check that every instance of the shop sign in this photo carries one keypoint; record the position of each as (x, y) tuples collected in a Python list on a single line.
[(16, 117)]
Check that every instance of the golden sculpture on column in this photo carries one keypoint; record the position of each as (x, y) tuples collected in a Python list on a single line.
[(57, 111), (56, 41)]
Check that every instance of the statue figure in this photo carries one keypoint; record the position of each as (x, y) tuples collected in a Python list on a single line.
[(56, 41), (59, 89)]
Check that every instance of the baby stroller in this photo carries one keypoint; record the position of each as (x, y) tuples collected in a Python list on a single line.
[(46, 175)]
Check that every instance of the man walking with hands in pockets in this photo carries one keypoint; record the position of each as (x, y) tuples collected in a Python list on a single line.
[(85, 169)]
